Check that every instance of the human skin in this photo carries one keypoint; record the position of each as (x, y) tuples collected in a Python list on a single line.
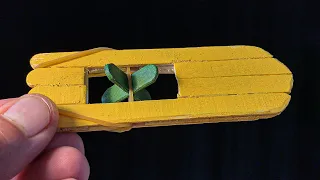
[(30, 148)]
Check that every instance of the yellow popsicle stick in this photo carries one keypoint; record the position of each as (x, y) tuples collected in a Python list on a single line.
[(68, 58), (264, 66), (188, 108), (235, 85), (100, 57), (71, 94), (56, 76)]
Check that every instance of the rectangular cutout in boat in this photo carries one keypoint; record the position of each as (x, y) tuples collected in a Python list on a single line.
[(165, 87)]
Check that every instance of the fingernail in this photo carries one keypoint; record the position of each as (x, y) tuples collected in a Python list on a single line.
[(31, 114)]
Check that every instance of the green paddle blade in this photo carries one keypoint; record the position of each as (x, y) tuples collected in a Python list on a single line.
[(117, 76), (144, 77), (141, 79), (114, 94), (142, 95)]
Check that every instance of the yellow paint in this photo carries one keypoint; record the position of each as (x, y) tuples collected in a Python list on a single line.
[(202, 120), (218, 84), (56, 76), (70, 57), (84, 127), (71, 94), (43, 57), (266, 66), (185, 108), (153, 56), (67, 124), (235, 85)]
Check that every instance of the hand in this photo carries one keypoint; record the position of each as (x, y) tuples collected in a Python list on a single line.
[(31, 149)]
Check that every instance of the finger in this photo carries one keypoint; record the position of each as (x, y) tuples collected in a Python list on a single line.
[(60, 140), (4, 101), (27, 125), (60, 163), (66, 139)]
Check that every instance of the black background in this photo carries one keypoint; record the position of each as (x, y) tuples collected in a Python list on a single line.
[(285, 147)]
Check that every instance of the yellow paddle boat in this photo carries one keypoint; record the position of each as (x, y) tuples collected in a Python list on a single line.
[(215, 84)]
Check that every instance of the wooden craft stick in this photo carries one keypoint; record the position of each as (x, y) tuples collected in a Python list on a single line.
[(70, 57), (162, 69), (235, 85), (70, 94), (56, 76), (224, 108), (130, 99), (143, 57)]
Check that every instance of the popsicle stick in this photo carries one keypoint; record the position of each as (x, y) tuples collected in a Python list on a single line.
[(71, 94), (130, 99), (247, 67), (100, 57), (56, 76), (235, 85), (67, 58), (185, 108)]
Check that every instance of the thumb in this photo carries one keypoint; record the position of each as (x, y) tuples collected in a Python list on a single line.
[(27, 124)]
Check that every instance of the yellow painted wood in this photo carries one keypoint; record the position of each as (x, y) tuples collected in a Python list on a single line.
[(177, 109), (265, 66), (79, 125), (67, 124), (202, 120), (71, 94), (218, 84), (235, 85), (153, 56), (41, 58), (69, 57), (56, 76)]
